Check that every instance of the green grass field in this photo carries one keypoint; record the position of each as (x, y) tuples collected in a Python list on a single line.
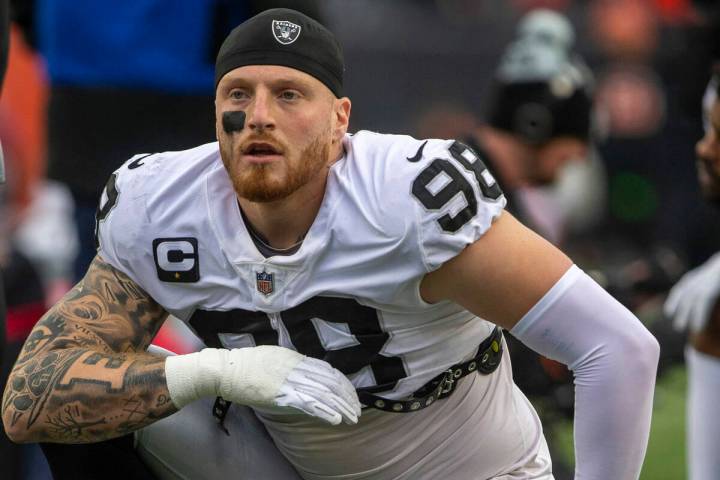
[(665, 458)]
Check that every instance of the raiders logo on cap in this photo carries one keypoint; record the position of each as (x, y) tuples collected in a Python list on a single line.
[(176, 259), (285, 32)]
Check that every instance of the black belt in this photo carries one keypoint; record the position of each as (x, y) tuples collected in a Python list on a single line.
[(486, 361)]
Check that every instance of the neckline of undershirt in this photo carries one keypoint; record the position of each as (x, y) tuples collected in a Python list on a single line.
[(261, 243)]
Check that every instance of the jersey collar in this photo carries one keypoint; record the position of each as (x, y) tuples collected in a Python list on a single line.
[(230, 229)]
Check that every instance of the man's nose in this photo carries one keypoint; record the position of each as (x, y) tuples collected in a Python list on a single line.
[(260, 114)]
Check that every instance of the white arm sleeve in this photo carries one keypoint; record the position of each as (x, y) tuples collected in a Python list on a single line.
[(614, 359)]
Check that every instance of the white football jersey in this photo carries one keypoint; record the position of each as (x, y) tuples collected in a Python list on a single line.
[(395, 208)]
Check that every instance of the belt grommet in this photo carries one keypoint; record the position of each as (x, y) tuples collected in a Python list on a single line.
[(397, 407), (415, 406), (379, 403), (472, 366), (485, 358), (457, 373), (429, 400)]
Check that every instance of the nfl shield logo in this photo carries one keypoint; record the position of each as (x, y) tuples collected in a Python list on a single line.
[(285, 32), (265, 282)]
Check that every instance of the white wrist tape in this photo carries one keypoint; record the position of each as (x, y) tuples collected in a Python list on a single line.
[(195, 375), (251, 376), (614, 359)]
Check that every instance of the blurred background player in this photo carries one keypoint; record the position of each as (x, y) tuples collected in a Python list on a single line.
[(538, 114), (693, 304)]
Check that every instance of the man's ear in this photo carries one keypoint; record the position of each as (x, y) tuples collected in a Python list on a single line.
[(341, 118)]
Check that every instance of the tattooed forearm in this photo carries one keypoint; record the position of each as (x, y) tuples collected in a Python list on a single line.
[(83, 396), (79, 377)]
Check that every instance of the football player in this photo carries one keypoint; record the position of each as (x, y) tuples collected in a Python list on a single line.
[(539, 114), (349, 288), (693, 304)]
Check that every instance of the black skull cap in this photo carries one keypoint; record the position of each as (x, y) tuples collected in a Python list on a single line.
[(285, 37)]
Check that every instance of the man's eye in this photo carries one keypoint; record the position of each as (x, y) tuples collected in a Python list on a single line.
[(237, 94), (289, 95)]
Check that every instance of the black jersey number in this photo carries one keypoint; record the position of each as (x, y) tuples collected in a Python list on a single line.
[(455, 184), (112, 193), (361, 321)]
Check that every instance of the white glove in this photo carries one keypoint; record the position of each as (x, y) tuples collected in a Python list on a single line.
[(692, 299), (264, 376)]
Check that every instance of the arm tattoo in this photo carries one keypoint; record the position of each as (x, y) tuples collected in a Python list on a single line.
[(83, 374)]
